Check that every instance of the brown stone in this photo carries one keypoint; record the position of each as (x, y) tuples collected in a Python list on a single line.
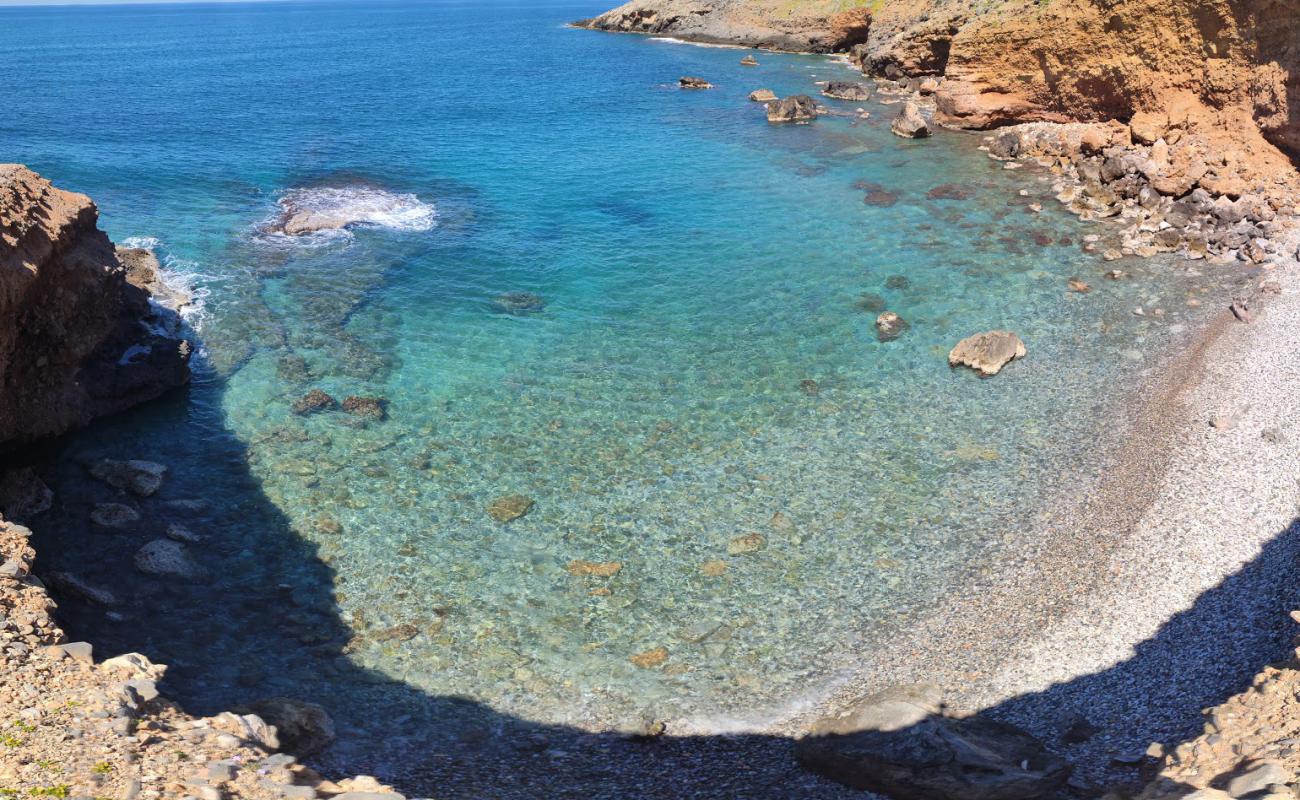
[(599, 569), (509, 507), (749, 543), (987, 353), (650, 658), (714, 568)]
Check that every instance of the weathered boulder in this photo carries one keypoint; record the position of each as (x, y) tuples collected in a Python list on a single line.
[(899, 743), (142, 478), (304, 729), (691, 82), (762, 96), (844, 90), (72, 346), (798, 108), (987, 353), (909, 123)]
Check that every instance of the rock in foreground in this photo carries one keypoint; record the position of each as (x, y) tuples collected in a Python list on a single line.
[(909, 123), (72, 343), (899, 743), (987, 353), (799, 108)]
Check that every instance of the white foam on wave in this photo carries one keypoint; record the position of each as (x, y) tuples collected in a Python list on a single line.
[(181, 279), (718, 45), (351, 206)]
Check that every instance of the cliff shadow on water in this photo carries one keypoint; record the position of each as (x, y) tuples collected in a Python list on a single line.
[(260, 619)]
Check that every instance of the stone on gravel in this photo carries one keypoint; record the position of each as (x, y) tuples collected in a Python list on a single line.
[(509, 508), (303, 728), (899, 743)]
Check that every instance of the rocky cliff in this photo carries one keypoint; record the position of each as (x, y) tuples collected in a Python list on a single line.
[(79, 337), (816, 26)]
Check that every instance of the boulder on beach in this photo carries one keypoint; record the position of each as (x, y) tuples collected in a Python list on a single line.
[(909, 123), (762, 96), (304, 729), (899, 743), (142, 478), (987, 353), (799, 108), (846, 90), (691, 82)]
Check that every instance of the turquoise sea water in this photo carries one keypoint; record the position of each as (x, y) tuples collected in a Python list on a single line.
[(698, 266)]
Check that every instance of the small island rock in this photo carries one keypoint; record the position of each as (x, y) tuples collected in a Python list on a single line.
[(799, 108), (987, 353), (845, 90), (890, 326), (909, 123), (762, 96), (690, 82)]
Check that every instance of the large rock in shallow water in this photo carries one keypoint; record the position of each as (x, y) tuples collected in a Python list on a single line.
[(799, 108), (899, 743), (909, 123), (72, 346), (987, 353), (142, 478), (843, 90)]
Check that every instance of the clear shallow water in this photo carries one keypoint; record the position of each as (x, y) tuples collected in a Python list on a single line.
[(697, 265)]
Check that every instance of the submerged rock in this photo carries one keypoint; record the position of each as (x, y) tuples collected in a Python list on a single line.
[(909, 123), (691, 82), (599, 569), (114, 515), (950, 191), (1077, 285), (899, 743), (518, 303), (890, 326), (749, 543), (142, 478), (510, 507), (987, 353), (844, 90), (762, 96), (650, 658), (313, 401), (77, 586), (799, 108), (369, 407), (166, 558)]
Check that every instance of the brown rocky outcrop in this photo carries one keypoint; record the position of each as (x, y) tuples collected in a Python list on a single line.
[(78, 336), (817, 26)]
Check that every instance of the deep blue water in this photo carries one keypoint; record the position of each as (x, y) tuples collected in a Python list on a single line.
[(697, 265)]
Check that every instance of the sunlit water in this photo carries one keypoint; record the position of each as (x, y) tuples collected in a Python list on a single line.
[(698, 267)]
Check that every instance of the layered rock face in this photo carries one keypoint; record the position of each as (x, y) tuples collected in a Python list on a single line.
[(816, 26), (78, 335)]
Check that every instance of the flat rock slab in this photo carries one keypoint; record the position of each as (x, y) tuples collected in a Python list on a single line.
[(987, 353)]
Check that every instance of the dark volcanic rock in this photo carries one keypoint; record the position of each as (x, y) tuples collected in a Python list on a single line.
[(689, 82), (843, 90), (899, 743), (799, 108)]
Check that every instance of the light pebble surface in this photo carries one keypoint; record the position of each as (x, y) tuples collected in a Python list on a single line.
[(1154, 591)]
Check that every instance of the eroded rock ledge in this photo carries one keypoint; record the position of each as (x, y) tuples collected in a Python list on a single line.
[(79, 337)]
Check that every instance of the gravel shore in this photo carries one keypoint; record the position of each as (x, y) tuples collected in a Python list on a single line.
[(1158, 588)]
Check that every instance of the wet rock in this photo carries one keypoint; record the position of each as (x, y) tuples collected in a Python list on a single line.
[(762, 96), (1077, 285), (303, 728), (77, 586), (1258, 777), (987, 353), (599, 569), (749, 61), (313, 401), (749, 543), (166, 558), (691, 82), (23, 495), (899, 743), (518, 304), (509, 508), (113, 515), (890, 326), (799, 108), (368, 407), (650, 658), (909, 123), (142, 478), (845, 90)]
